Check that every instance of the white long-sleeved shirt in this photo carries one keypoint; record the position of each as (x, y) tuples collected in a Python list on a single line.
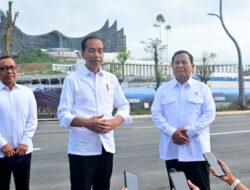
[(85, 95), (18, 116), (191, 106)]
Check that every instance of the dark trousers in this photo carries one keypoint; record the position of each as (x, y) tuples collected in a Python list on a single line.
[(91, 171), (21, 173), (196, 172)]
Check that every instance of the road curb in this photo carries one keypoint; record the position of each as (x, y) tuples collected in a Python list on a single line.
[(149, 116)]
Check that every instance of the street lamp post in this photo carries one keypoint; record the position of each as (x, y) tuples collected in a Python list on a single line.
[(240, 66)]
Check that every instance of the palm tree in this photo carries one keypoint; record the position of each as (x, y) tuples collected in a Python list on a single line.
[(159, 21), (203, 71), (155, 47), (9, 24), (122, 57)]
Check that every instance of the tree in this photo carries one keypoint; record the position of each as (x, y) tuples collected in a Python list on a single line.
[(155, 47), (167, 28), (122, 57), (115, 68), (204, 71), (10, 23), (159, 21)]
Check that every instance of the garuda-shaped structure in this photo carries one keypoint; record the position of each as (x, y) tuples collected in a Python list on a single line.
[(113, 39)]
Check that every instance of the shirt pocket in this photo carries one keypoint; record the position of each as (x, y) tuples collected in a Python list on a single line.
[(108, 93), (194, 104), (169, 106)]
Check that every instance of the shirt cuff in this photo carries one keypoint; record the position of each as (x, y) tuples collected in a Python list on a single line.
[(169, 130), (66, 121), (190, 131), (2, 142), (25, 141), (127, 119)]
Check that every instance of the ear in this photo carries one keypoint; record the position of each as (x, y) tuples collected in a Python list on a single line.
[(83, 54), (192, 65)]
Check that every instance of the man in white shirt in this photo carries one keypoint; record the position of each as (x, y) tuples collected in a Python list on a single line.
[(183, 109), (18, 116), (86, 104)]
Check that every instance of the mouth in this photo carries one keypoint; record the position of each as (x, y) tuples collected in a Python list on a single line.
[(9, 76), (96, 61)]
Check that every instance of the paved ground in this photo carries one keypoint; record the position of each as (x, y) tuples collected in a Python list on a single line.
[(137, 151)]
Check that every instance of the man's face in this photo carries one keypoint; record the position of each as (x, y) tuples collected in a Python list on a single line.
[(93, 54), (8, 72), (182, 67)]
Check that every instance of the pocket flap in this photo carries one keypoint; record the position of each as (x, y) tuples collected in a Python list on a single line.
[(197, 100), (169, 100)]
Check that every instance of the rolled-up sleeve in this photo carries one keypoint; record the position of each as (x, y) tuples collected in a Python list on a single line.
[(64, 112), (157, 115), (31, 123), (122, 105)]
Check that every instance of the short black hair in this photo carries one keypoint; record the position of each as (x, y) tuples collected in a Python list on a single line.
[(84, 41), (181, 52), (5, 57)]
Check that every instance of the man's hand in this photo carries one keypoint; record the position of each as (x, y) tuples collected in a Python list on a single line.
[(229, 178), (193, 187), (8, 151), (98, 125), (180, 136), (21, 149)]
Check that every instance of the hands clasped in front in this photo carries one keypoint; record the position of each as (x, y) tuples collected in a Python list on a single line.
[(99, 125), (180, 136), (8, 150)]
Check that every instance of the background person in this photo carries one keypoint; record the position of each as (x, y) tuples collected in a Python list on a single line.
[(183, 109), (86, 105), (18, 116)]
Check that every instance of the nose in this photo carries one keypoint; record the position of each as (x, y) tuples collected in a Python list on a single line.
[(180, 64), (8, 70)]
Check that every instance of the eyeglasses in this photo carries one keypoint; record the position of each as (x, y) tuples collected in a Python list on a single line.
[(6, 68), (183, 63)]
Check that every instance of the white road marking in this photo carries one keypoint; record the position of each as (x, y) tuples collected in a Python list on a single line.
[(34, 149), (212, 134), (232, 132), (143, 127)]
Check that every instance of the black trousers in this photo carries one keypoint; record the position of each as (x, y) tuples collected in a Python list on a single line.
[(21, 173), (91, 171), (196, 172)]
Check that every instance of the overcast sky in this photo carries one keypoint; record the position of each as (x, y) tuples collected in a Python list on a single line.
[(191, 29)]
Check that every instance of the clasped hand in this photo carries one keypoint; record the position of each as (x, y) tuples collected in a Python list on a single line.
[(8, 151), (99, 125), (180, 136)]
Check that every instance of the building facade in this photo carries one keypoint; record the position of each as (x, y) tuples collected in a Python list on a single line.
[(113, 39)]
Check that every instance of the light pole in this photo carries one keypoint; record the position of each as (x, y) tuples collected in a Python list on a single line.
[(240, 66)]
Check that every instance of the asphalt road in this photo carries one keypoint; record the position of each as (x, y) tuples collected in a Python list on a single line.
[(137, 151)]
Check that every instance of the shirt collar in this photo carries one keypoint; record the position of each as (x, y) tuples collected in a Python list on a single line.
[(2, 85), (85, 71), (188, 83)]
